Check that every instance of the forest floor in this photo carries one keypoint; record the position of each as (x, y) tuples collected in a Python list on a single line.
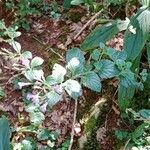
[(49, 39)]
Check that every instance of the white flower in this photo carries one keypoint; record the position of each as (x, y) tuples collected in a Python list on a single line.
[(58, 72), (72, 86)]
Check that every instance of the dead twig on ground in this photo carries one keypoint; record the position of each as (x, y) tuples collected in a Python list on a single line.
[(49, 49), (87, 24)]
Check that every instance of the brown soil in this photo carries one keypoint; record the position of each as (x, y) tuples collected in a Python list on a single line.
[(49, 33)]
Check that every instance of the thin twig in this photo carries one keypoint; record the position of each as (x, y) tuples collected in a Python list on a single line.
[(49, 48), (73, 125), (13, 77), (61, 57), (126, 144), (87, 24)]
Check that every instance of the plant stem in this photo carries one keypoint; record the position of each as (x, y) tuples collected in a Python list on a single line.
[(73, 124)]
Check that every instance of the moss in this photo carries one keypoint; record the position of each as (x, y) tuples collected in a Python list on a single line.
[(91, 123), (92, 143)]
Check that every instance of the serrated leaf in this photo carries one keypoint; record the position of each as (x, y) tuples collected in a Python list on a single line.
[(134, 43), (96, 54), (43, 134), (67, 4), (75, 52), (4, 134), (36, 61), (145, 113), (121, 134), (127, 79), (103, 34), (106, 69), (52, 98), (115, 55), (73, 64), (92, 81)]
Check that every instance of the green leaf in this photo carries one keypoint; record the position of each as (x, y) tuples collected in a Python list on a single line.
[(145, 113), (27, 145), (17, 146), (139, 131), (37, 118), (106, 69), (124, 96), (73, 88), (103, 34), (43, 134), (36, 61), (34, 75), (145, 3), (144, 75), (58, 73), (67, 4), (2, 93), (29, 75), (96, 54), (4, 134), (77, 2), (134, 43), (16, 46), (148, 53), (75, 52), (115, 55), (92, 81), (66, 143), (73, 64), (52, 98), (121, 134), (27, 55), (2, 25), (50, 143), (31, 108), (127, 79)]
